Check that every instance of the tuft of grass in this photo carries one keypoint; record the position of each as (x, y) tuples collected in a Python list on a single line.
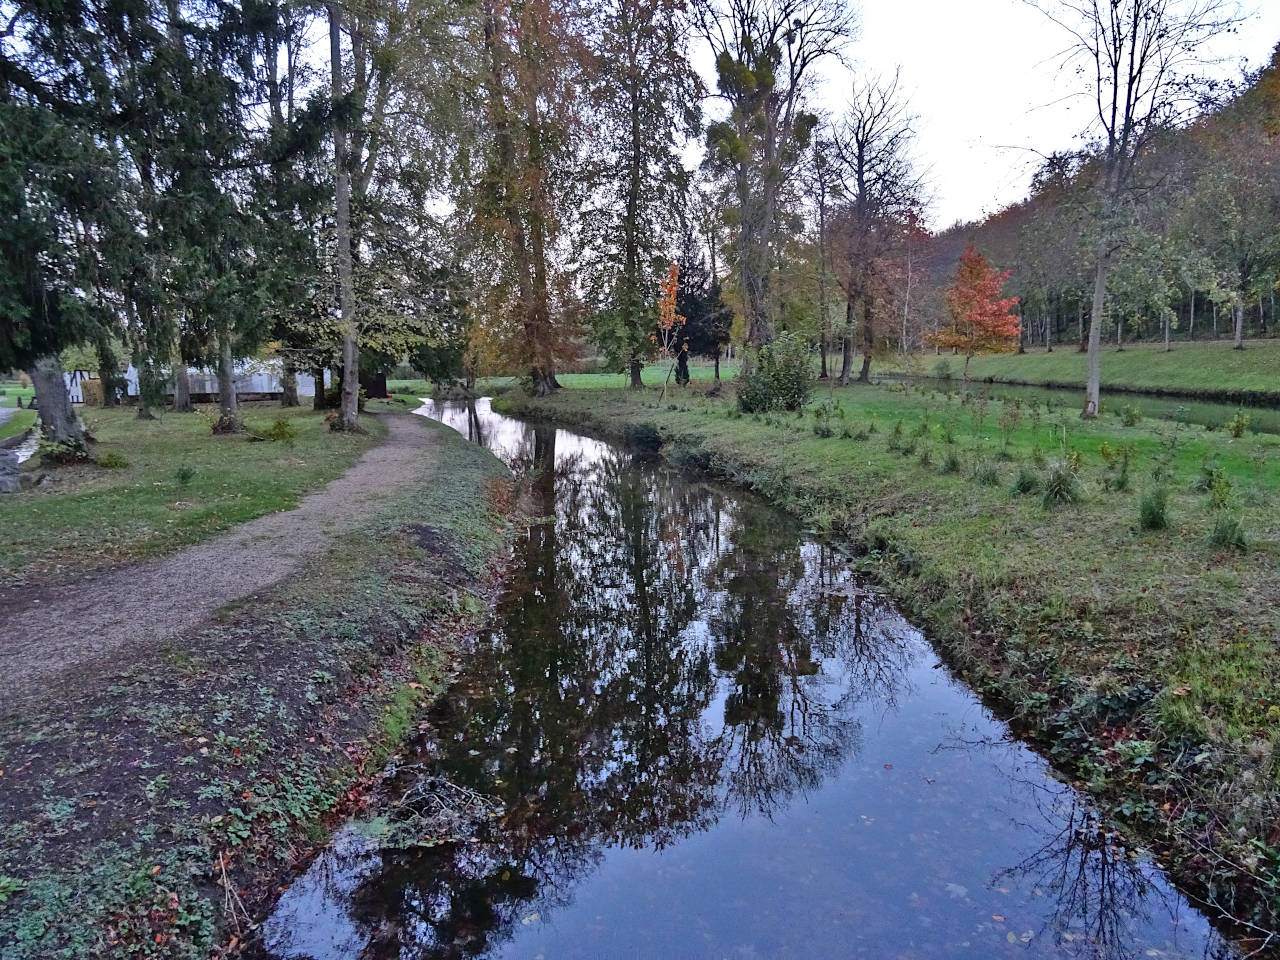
[(1153, 509), (1026, 482), (1228, 532), (1060, 486), (986, 474), (113, 460), (950, 463)]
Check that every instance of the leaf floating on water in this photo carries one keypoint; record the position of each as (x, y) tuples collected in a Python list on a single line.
[(531, 918), (1011, 937), (997, 918)]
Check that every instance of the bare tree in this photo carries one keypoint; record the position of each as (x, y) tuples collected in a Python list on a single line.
[(881, 190), (765, 53), (1142, 61)]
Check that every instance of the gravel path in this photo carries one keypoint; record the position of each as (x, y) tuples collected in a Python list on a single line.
[(115, 617)]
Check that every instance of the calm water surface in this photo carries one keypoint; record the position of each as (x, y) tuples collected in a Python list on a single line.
[(707, 739)]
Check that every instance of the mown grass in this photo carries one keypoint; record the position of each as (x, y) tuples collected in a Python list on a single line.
[(19, 422), (1210, 368), (11, 390), (1091, 630), (653, 375), (138, 807), (92, 516)]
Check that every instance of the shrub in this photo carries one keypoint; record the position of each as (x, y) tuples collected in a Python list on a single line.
[(942, 369), (282, 431), (1130, 416), (113, 460), (1037, 456), (1153, 509), (643, 436), (779, 379), (184, 475), (822, 420), (1060, 486), (986, 474), (1025, 482), (1238, 424), (926, 457), (1228, 532), (57, 454), (1210, 474), (950, 463)]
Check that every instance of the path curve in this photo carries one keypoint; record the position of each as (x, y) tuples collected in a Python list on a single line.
[(115, 616)]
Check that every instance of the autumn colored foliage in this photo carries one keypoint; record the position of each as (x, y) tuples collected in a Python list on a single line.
[(980, 318)]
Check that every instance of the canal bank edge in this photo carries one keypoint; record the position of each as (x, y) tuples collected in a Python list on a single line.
[(1174, 801), (160, 813)]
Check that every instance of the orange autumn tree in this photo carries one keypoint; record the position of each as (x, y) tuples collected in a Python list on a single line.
[(670, 323), (980, 319)]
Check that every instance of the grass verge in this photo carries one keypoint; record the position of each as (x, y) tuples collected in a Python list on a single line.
[(1210, 370), (156, 812), (174, 483), (1143, 660)]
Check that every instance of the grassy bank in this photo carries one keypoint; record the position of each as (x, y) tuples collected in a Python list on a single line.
[(1212, 370), (19, 422), (170, 483), (653, 375), (1143, 656), (155, 812)]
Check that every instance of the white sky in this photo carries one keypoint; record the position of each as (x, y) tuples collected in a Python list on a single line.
[(982, 77)]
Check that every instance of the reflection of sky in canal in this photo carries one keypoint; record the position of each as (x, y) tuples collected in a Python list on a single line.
[(710, 741)]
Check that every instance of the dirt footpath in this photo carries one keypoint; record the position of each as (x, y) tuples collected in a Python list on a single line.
[(116, 617)]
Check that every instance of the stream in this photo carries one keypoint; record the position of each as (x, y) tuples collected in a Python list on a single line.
[(692, 731)]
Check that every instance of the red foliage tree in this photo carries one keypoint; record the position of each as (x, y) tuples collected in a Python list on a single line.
[(980, 319)]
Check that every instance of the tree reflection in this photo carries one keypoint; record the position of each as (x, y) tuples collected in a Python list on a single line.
[(665, 654)]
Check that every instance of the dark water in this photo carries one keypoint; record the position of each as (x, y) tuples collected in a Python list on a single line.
[(708, 740), (1202, 412)]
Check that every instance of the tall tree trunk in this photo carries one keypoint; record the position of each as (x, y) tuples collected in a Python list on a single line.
[(822, 354), (846, 343), (1167, 327), (1239, 320), (1080, 322), (108, 373), (288, 383), (58, 420), (1093, 386), (228, 402), (637, 368), (1191, 317), (349, 412), (868, 341), (317, 400), (717, 364), (181, 385)]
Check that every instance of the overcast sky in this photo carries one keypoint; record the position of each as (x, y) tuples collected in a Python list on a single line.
[(982, 77)]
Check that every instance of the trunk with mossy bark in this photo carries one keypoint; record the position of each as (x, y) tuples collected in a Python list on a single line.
[(868, 341), (181, 387), (58, 421), (636, 369), (288, 384), (228, 403)]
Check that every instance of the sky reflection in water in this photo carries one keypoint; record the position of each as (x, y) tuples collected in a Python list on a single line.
[(709, 740)]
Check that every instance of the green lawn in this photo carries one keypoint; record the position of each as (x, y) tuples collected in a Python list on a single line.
[(19, 422), (1090, 627), (10, 390), (653, 375), (1210, 368), (94, 516)]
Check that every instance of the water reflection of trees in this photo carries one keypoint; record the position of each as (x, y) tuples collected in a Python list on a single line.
[(666, 654)]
